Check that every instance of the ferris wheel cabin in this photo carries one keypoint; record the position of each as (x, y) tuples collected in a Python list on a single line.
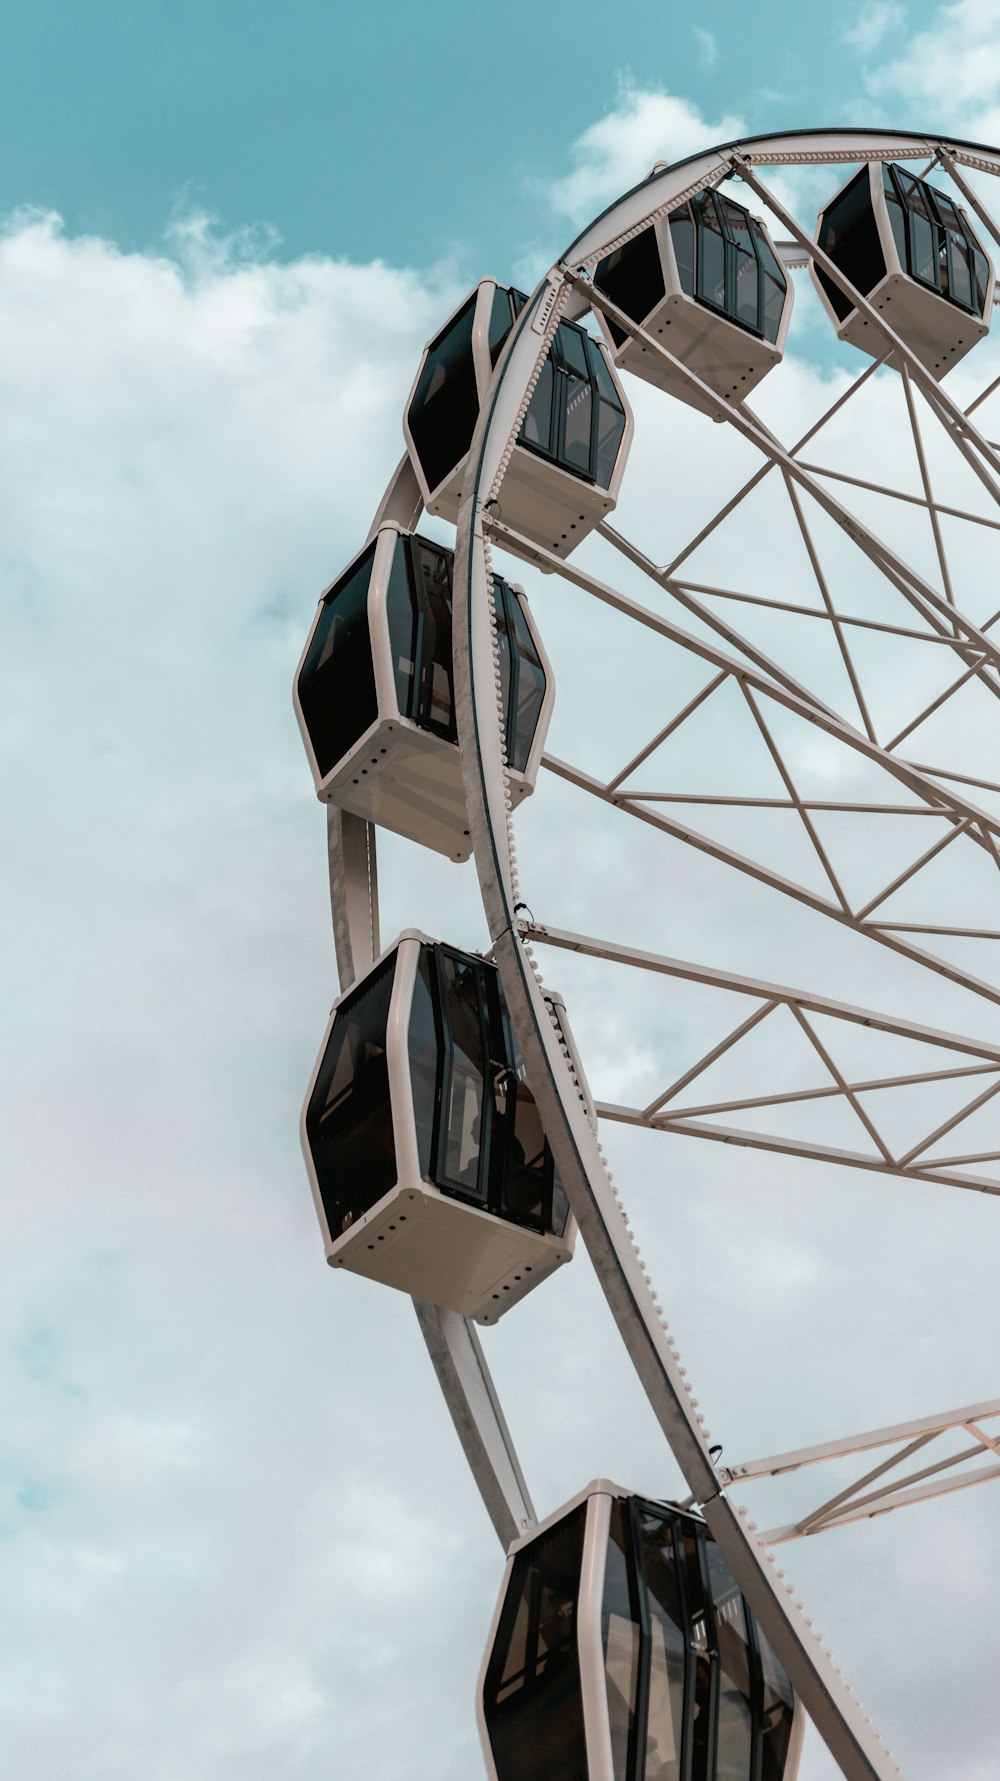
[(374, 692), (913, 253), (622, 1650), (706, 282), (567, 464), (429, 1166)]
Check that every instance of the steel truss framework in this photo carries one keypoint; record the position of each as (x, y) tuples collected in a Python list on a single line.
[(921, 607)]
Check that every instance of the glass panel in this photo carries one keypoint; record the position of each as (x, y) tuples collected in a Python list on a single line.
[(527, 1163), (682, 237), (923, 235), (665, 1717), (778, 1706), (434, 695), (463, 1117), (522, 723), (531, 1700), (425, 1061), (610, 417), (508, 678), (711, 252), (747, 294), (701, 1653), (734, 1734), (337, 678), (349, 1117), (633, 278), (621, 1634), (775, 284), (445, 406), (536, 428), (849, 234), (897, 223), (401, 616), (982, 278), (577, 402), (956, 282), (500, 323)]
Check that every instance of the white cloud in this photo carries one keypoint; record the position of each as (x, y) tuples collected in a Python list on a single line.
[(708, 49), (234, 1517), (948, 74), (645, 126), (873, 24)]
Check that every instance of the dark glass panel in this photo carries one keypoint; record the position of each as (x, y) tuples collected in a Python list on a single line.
[(500, 323), (981, 264), (734, 1726), (560, 1203), (536, 428), (463, 1143), (532, 1701), (665, 1715), (502, 598), (775, 285), (522, 722), (337, 679), (577, 422), (434, 694), (621, 1634), (849, 235), (633, 278), (700, 1646), (922, 233), (402, 620), (424, 1047), (778, 1707), (528, 1164), (349, 1117), (682, 236), (711, 255), (445, 406), (610, 417), (957, 280), (897, 223)]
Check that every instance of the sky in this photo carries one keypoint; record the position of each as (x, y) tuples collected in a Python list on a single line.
[(236, 1531)]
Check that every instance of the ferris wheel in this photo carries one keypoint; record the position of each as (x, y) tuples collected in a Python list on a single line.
[(788, 755)]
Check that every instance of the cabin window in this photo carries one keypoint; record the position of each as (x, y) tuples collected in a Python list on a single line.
[(621, 1633), (349, 1117), (533, 1705), (633, 278), (667, 1657), (575, 417), (337, 679), (734, 1731), (445, 406), (849, 235)]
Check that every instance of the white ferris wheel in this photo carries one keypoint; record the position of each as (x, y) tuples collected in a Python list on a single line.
[(788, 760)]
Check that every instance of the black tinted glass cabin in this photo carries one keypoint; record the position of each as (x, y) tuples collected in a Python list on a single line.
[(576, 417), (724, 261), (933, 241), (532, 1699), (336, 684), (445, 406), (349, 1116)]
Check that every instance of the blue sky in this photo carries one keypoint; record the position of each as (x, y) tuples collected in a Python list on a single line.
[(381, 130), (236, 1536)]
